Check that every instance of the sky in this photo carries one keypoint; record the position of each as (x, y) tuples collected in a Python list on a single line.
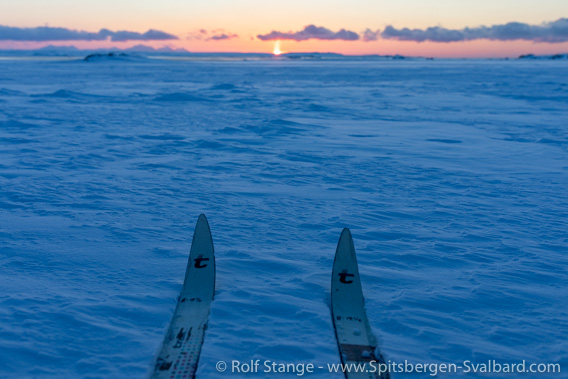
[(436, 28)]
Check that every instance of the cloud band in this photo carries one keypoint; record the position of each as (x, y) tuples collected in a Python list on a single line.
[(551, 32), (311, 32), (46, 33)]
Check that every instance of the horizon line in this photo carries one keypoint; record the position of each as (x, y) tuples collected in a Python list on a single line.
[(182, 51)]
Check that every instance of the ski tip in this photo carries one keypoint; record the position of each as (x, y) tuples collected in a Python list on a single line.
[(345, 238), (202, 230), (345, 246), (202, 220)]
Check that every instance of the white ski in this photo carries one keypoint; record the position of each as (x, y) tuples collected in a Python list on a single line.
[(357, 344), (180, 350)]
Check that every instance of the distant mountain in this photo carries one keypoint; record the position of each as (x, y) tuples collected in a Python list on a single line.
[(57, 48), (53, 51), (114, 56), (150, 49), (555, 56), (74, 51), (338, 56), (312, 55)]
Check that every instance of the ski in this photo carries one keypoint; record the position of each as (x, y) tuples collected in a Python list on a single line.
[(179, 354), (357, 344)]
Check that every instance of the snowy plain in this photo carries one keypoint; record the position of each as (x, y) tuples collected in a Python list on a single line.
[(452, 176)]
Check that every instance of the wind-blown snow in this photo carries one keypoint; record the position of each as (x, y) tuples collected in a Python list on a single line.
[(452, 176)]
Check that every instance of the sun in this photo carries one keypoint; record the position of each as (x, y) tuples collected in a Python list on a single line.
[(277, 50)]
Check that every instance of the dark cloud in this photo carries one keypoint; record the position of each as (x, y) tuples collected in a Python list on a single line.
[(311, 32), (369, 35), (211, 35), (220, 37), (435, 34), (556, 31), (150, 35), (46, 33)]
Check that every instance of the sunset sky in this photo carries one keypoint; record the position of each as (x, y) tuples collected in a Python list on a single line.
[(439, 28)]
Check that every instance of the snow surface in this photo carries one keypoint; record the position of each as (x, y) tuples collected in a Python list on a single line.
[(452, 176)]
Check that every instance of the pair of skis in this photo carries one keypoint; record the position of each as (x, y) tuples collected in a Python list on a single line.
[(179, 354)]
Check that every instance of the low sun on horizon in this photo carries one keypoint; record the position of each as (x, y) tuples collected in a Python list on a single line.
[(277, 50)]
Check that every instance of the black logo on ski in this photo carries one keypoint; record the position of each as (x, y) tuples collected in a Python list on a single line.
[(198, 261), (163, 365), (343, 275), (180, 337)]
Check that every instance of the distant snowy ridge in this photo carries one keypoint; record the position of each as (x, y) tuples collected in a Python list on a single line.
[(340, 56), (74, 51), (112, 56), (555, 56)]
